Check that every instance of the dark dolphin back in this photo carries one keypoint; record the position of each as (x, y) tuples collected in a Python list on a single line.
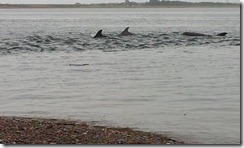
[(222, 34), (193, 34), (200, 34)]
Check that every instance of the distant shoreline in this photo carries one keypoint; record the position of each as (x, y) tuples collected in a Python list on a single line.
[(166, 4)]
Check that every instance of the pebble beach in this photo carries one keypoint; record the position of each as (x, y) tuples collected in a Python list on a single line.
[(21, 130)]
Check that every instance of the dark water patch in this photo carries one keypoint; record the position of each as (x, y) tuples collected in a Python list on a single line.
[(15, 48), (234, 44), (76, 65)]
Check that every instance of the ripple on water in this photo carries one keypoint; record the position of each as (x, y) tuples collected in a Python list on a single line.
[(81, 42)]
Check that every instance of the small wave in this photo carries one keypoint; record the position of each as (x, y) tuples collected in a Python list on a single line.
[(81, 42)]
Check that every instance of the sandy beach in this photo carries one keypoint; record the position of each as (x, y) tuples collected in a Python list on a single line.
[(20, 130)]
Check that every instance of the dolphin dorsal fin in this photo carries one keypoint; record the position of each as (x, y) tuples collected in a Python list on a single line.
[(126, 32), (99, 34), (126, 29)]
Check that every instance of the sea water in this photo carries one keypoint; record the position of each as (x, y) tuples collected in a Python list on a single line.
[(157, 80)]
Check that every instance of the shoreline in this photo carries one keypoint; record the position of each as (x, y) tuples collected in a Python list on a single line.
[(25, 130), (167, 4)]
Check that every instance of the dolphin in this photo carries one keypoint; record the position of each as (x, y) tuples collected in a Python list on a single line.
[(193, 34), (222, 34), (126, 32), (200, 34), (99, 34)]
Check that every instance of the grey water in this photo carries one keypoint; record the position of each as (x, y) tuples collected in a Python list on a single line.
[(157, 80)]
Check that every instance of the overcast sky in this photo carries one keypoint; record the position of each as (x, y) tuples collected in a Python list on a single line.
[(91, 1)]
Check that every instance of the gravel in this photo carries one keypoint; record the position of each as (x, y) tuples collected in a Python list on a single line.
[(17, 130)]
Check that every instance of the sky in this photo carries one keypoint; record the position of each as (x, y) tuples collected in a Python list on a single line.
[(92, 1)]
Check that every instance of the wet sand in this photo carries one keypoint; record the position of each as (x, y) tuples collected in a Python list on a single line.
[(20, 130)]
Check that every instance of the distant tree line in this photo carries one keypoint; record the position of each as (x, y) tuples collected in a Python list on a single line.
[(156, 1), (126, 4), (150, 1)]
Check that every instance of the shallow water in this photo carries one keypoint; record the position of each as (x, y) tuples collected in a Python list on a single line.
[(157, 80)]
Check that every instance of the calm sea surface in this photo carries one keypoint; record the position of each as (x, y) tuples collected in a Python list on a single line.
[(157, 80)]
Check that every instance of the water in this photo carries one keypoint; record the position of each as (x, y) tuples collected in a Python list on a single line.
[(157, 80)]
